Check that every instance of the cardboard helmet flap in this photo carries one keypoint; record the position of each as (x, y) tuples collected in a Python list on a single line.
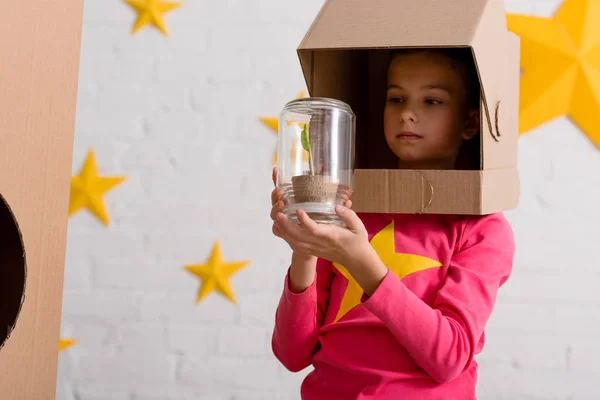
[(345, 55)]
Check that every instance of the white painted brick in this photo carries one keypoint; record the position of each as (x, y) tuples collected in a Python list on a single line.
[(77, 274), (100, 306), (554, 243), (545, 8), (95, 128), (543, 318), (555, 285), (99, 11), (276, 394), (290, 382), (64, 390), (541, 382), (92, 337), (144, 273), (142, 338), (97, 242), (141, 100), (193, 339), (232, 372), (580, 319), (173, 392), (84, 393), (584, 353), (106, 65), (180, 307), (259, 309), (125, 372), (64, 372), (517, 6), (243, 341), (528, 351), (65, 366)]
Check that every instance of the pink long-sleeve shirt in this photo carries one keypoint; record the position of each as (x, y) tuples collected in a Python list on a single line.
[(416, 336)]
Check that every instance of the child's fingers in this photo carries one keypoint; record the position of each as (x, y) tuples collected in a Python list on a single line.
[(276, 231), (276, 174), (307, 222), (276, 209), (276, 196), (348, 204)]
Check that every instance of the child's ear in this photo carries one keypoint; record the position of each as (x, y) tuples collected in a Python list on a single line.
[(472, 124)]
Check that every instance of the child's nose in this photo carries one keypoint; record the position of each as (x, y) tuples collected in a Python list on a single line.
[(407, 115)]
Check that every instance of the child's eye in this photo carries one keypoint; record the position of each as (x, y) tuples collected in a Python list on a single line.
[(395, 99), (432, 101)]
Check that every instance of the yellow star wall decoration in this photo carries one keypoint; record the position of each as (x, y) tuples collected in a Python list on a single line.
[(151, 12), (64, 344), (560, 60), (273, 124), (88, 187), (215, 274), (401, 264)]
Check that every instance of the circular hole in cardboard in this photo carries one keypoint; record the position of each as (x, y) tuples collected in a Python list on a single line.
[(12, 271)]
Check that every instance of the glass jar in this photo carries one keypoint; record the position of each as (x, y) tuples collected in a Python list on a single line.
[(315, 157)]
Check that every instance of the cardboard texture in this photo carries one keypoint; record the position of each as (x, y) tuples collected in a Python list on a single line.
[(345, 55), (40, 42)]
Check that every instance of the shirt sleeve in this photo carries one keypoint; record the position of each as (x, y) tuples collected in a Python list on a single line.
[(442, 339), (298, 318)]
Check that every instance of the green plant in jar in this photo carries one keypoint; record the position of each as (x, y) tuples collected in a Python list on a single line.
[(306, 146)]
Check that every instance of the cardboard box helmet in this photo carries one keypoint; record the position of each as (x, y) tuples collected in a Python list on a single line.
[(345, 55)]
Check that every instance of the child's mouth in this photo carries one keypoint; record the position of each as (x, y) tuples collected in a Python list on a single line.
[(408, 136)]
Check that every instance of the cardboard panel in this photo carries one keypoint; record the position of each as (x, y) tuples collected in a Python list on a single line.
[(383, 23), (502, 153), (40, 43), (411, 191), (436, 192), (488, 43), (500, 190)]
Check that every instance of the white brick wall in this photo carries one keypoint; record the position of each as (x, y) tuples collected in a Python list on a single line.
[(177, 116)]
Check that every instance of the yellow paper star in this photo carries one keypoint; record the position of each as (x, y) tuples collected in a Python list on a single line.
[(88, 187), (151, 12), (560, 58), (64, 344), (273, 123), (215, 274), (400, 264)]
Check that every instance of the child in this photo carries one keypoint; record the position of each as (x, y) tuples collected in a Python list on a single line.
[(406, 323)]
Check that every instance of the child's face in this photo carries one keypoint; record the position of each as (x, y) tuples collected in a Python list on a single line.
[(426, 115)]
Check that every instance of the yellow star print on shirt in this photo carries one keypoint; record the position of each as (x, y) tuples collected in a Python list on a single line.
[(560, 59), (401, 264), (151, 12), (273, 124), (215, 274), (88, 187)]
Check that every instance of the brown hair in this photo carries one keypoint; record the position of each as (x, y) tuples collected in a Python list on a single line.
[(460, 58)]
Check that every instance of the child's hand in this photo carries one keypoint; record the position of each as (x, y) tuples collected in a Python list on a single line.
[(277, 204), (330, 242)]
